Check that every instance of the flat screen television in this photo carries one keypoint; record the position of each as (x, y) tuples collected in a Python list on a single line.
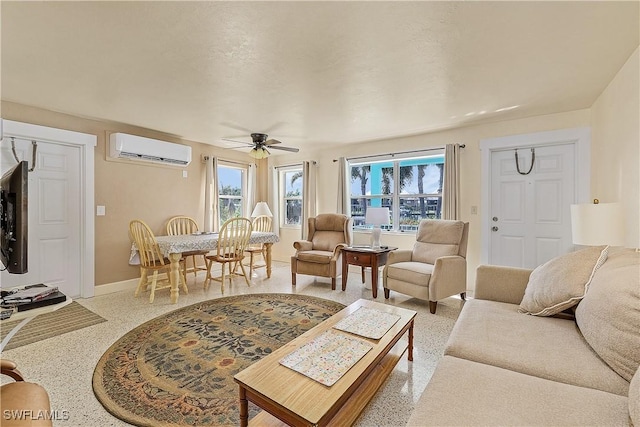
[(14, 218)]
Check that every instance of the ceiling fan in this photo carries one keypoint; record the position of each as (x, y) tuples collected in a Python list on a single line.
[(260, 143)]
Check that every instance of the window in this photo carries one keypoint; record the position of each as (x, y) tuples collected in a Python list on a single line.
[(232, 191), (410, 188), (291, 181)]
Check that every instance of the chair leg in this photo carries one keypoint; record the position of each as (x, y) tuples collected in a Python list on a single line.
[(244, 273), (293, 279), (333, 283), (432, 306), (463, 295), (386, 293), (207, 280), (154, 282), (142, 284)]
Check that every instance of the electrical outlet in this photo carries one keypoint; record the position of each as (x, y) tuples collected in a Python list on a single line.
[(474, 210)]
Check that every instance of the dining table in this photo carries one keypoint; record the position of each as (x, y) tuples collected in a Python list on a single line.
[(173, 247)]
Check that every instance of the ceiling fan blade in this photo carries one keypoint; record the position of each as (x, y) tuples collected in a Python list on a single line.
[(245, 143), (235, 126), (272, 141), (293, 150)]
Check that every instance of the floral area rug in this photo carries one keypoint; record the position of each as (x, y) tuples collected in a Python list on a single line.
[(177, 369)]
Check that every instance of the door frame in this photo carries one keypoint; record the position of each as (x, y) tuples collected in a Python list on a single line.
[(86, 143), (580, 138)]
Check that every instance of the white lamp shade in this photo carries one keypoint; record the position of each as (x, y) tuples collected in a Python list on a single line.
[(597, 224), (262, 208), (377, 216)]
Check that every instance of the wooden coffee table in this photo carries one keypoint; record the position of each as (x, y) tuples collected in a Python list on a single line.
[(365, 257), (295, 399)]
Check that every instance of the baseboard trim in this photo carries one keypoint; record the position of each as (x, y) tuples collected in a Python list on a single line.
[(110, 288)]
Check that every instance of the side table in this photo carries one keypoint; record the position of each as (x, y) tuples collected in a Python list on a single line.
[(364, 257)]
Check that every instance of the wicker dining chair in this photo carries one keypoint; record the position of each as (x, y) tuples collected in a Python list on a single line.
[(260, 223), (151, 259), (233, 239), (187, 225)]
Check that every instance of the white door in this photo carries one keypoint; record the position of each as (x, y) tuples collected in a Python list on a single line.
[(54, 207), (530, 213)]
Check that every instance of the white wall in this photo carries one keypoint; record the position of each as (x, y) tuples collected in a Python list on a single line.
[(615, 120), (470, 173)]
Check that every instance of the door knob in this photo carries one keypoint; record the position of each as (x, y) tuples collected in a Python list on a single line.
[(495, 218), (494, 228)]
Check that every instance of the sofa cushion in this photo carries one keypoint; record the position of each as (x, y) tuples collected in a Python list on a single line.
[(561, 282), (634, 399), (609, 315), (417, 273), (547, 347), (463, 393), (436, 239)]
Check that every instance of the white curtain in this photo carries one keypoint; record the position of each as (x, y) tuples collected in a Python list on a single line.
[(275, 201), (308, 195), (251, 191), (451, 185), (343, 206), (209, 196)]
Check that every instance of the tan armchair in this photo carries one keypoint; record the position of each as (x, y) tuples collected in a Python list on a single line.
[(435, 268), (320, 254), (20, 397)]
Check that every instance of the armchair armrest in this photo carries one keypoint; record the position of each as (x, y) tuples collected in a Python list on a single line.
[(399, 255), (449, 277), (303, 245), (10, 369), (500, 283), (337, 250)]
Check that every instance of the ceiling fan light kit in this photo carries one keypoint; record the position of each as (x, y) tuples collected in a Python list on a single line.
[(259, 153)]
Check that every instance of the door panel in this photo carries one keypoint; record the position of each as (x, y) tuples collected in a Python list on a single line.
[(532, 211), (54, 215)]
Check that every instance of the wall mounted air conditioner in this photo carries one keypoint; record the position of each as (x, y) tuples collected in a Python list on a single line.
[(135, 147)]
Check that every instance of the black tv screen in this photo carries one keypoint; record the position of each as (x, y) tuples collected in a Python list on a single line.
[(14, 218)]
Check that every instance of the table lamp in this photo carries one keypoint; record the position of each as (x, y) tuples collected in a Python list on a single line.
[(597, 224), (376, 217), (262, 208)]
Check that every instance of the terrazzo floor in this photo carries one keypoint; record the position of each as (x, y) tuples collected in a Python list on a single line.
[(64, 365)]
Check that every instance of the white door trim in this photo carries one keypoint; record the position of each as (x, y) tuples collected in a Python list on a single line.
[(86, 143), (579, 137)]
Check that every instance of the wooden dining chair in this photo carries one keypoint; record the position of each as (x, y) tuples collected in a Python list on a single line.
[(232, 242), (151, 259), (260, 223), (187, 225)]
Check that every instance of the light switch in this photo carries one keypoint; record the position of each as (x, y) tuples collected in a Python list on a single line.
[(184, 174), (474, 210), (100, 211)]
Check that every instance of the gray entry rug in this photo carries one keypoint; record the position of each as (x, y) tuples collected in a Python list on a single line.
[(70, 318)]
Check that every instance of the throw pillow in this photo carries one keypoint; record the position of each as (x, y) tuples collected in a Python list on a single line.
[(609, 315), (561, 282)]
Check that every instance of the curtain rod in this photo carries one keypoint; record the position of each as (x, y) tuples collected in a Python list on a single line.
[(399, 152), (295, 164)]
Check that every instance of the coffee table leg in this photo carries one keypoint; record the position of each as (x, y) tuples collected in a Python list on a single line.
[(410, 346), (244, 408)]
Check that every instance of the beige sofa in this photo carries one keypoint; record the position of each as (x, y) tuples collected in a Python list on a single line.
[(503, 367)]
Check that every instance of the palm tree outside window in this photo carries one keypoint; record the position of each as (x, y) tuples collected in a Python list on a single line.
[(410, 188)]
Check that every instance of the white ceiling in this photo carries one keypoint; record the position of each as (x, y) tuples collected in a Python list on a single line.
[(312, 72)]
